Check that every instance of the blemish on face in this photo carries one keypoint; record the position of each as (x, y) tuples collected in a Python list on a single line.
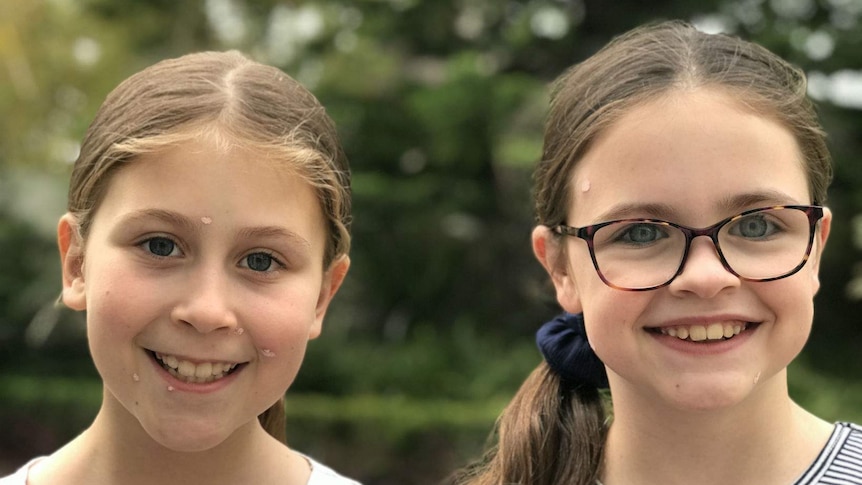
[(585, 186), (136, 378), (267, 353), (170, 388), (756, 377), (239, 330), (207, 220)]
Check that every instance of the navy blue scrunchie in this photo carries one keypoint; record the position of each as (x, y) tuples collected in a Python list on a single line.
[(563, 343)]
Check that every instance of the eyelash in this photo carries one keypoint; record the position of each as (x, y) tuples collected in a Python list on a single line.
[(144, 246), (275, 259), (279, 263)]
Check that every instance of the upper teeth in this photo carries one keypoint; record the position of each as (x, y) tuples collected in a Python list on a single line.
[(697, 333), (191, 372)]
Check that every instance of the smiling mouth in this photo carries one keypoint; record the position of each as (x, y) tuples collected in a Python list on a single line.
[(191, 372), (705, 333)]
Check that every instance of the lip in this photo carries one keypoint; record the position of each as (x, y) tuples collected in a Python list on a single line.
[(174, 384), (703, 348)]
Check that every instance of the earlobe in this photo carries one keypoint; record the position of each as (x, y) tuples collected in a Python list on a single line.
[(72, 263), (552, 257), (333, 277)]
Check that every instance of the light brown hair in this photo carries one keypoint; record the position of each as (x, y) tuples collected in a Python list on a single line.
[(552, 433), (244, 103)]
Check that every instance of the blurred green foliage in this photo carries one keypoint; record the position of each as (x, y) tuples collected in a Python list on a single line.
[(440, 107)]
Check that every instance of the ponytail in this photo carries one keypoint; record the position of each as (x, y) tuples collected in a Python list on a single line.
[(274, 421), (550, 434)]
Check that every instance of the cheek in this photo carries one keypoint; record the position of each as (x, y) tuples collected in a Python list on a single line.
[(611, 318), (792, 301), (280, 338), (122, 300), (280, 326), (118, 311)]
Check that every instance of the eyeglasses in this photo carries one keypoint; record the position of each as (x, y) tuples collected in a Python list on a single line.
[(763, 244)]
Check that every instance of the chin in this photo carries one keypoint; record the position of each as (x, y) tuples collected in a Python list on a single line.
[(712, 396), (187, 437)]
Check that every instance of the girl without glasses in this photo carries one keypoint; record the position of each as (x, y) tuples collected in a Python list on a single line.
[(679, 204), (206, 234)]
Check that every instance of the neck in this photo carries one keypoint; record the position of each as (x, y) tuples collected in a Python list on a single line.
[(115, 449), (765, 440)]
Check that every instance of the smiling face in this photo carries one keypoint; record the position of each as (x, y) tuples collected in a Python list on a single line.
[(692, 157), (201, 262)]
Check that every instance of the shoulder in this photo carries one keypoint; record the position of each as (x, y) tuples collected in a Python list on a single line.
[(839, 460), (848, 439), (854, 428), (321, 475), (20, 476)]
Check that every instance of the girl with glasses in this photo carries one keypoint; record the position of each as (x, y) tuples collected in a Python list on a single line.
[(680, 218)]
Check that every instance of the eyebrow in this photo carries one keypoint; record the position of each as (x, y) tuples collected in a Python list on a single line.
[(169, 217), (272, 232), (732, 204), (764, 197), (631, 210), (177, 219)]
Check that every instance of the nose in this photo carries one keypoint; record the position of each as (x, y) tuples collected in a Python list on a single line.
[(205, 302), (703, 273)]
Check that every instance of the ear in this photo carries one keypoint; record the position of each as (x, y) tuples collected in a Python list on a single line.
[(551, 255), (820, 237), (72, 262), (332, 279)]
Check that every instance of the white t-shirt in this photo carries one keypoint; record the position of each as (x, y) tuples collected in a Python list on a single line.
[(320, 475)]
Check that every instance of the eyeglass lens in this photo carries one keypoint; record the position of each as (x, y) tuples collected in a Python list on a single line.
[(760, 245)]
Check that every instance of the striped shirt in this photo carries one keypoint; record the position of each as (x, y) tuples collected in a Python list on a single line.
[(840, 462)]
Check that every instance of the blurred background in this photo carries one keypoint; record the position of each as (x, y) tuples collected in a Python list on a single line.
[(440, 106)]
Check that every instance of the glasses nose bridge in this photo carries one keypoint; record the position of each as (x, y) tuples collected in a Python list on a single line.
[(711, 232)]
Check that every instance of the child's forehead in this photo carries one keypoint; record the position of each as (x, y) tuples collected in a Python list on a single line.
[(686, 149), (694, 122)]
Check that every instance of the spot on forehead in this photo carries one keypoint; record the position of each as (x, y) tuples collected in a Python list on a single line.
[(135, 377), (206, 220), (585, 185)]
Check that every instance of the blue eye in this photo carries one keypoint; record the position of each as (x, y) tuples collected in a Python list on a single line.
[(642, 234), (160, 246), (754, 227), (259, 261)]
